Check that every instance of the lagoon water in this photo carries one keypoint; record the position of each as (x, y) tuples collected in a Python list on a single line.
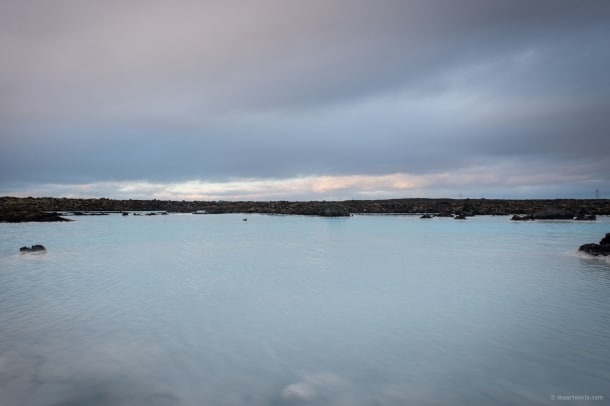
[(290, 310)]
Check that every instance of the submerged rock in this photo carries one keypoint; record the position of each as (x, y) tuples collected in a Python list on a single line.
[(603, 248), (33, 248)]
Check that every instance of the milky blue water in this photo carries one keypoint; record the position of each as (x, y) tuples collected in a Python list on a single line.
[(287, 310)]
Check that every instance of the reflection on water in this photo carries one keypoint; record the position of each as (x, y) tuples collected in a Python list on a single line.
[(283, 310)]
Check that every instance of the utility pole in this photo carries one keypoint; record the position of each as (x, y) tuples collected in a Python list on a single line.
[(597, 193)]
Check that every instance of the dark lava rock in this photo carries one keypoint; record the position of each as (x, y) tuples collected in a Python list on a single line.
[(459, 217), (584, 215), (517, 217), (33, 248), (26, 216), (552, 213), (426, 216), (603, 248), (333, 211)]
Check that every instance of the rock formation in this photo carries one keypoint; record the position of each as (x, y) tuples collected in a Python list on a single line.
[(33, 248), (603, 248), (26, 216), (554, 213)]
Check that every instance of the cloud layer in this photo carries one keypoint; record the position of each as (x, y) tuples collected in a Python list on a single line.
[(278, 93)]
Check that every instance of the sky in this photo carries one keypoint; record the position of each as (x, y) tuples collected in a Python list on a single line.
[(305, 100)]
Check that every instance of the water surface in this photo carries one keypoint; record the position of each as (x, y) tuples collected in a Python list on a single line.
[(283, 310)]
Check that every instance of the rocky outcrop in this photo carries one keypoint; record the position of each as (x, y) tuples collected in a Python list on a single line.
[(33, 248), (27, 216), (603, 248), (554, 213), (584, 215), (334, 210)]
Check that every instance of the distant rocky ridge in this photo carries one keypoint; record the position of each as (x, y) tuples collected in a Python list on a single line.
[(45, 208)]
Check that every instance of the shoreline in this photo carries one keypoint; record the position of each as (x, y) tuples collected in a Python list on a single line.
[(12, 209)]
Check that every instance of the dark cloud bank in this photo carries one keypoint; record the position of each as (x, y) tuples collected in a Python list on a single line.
[(213, 91)]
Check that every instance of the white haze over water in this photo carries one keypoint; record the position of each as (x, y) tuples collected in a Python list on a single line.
[(286, 310)]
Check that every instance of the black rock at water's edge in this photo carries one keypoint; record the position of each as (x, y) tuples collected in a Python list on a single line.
[(33, 248), (555, 213), (603, 248), (24, 216)]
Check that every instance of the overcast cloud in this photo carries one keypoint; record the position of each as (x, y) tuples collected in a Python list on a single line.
[(304, 99)]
